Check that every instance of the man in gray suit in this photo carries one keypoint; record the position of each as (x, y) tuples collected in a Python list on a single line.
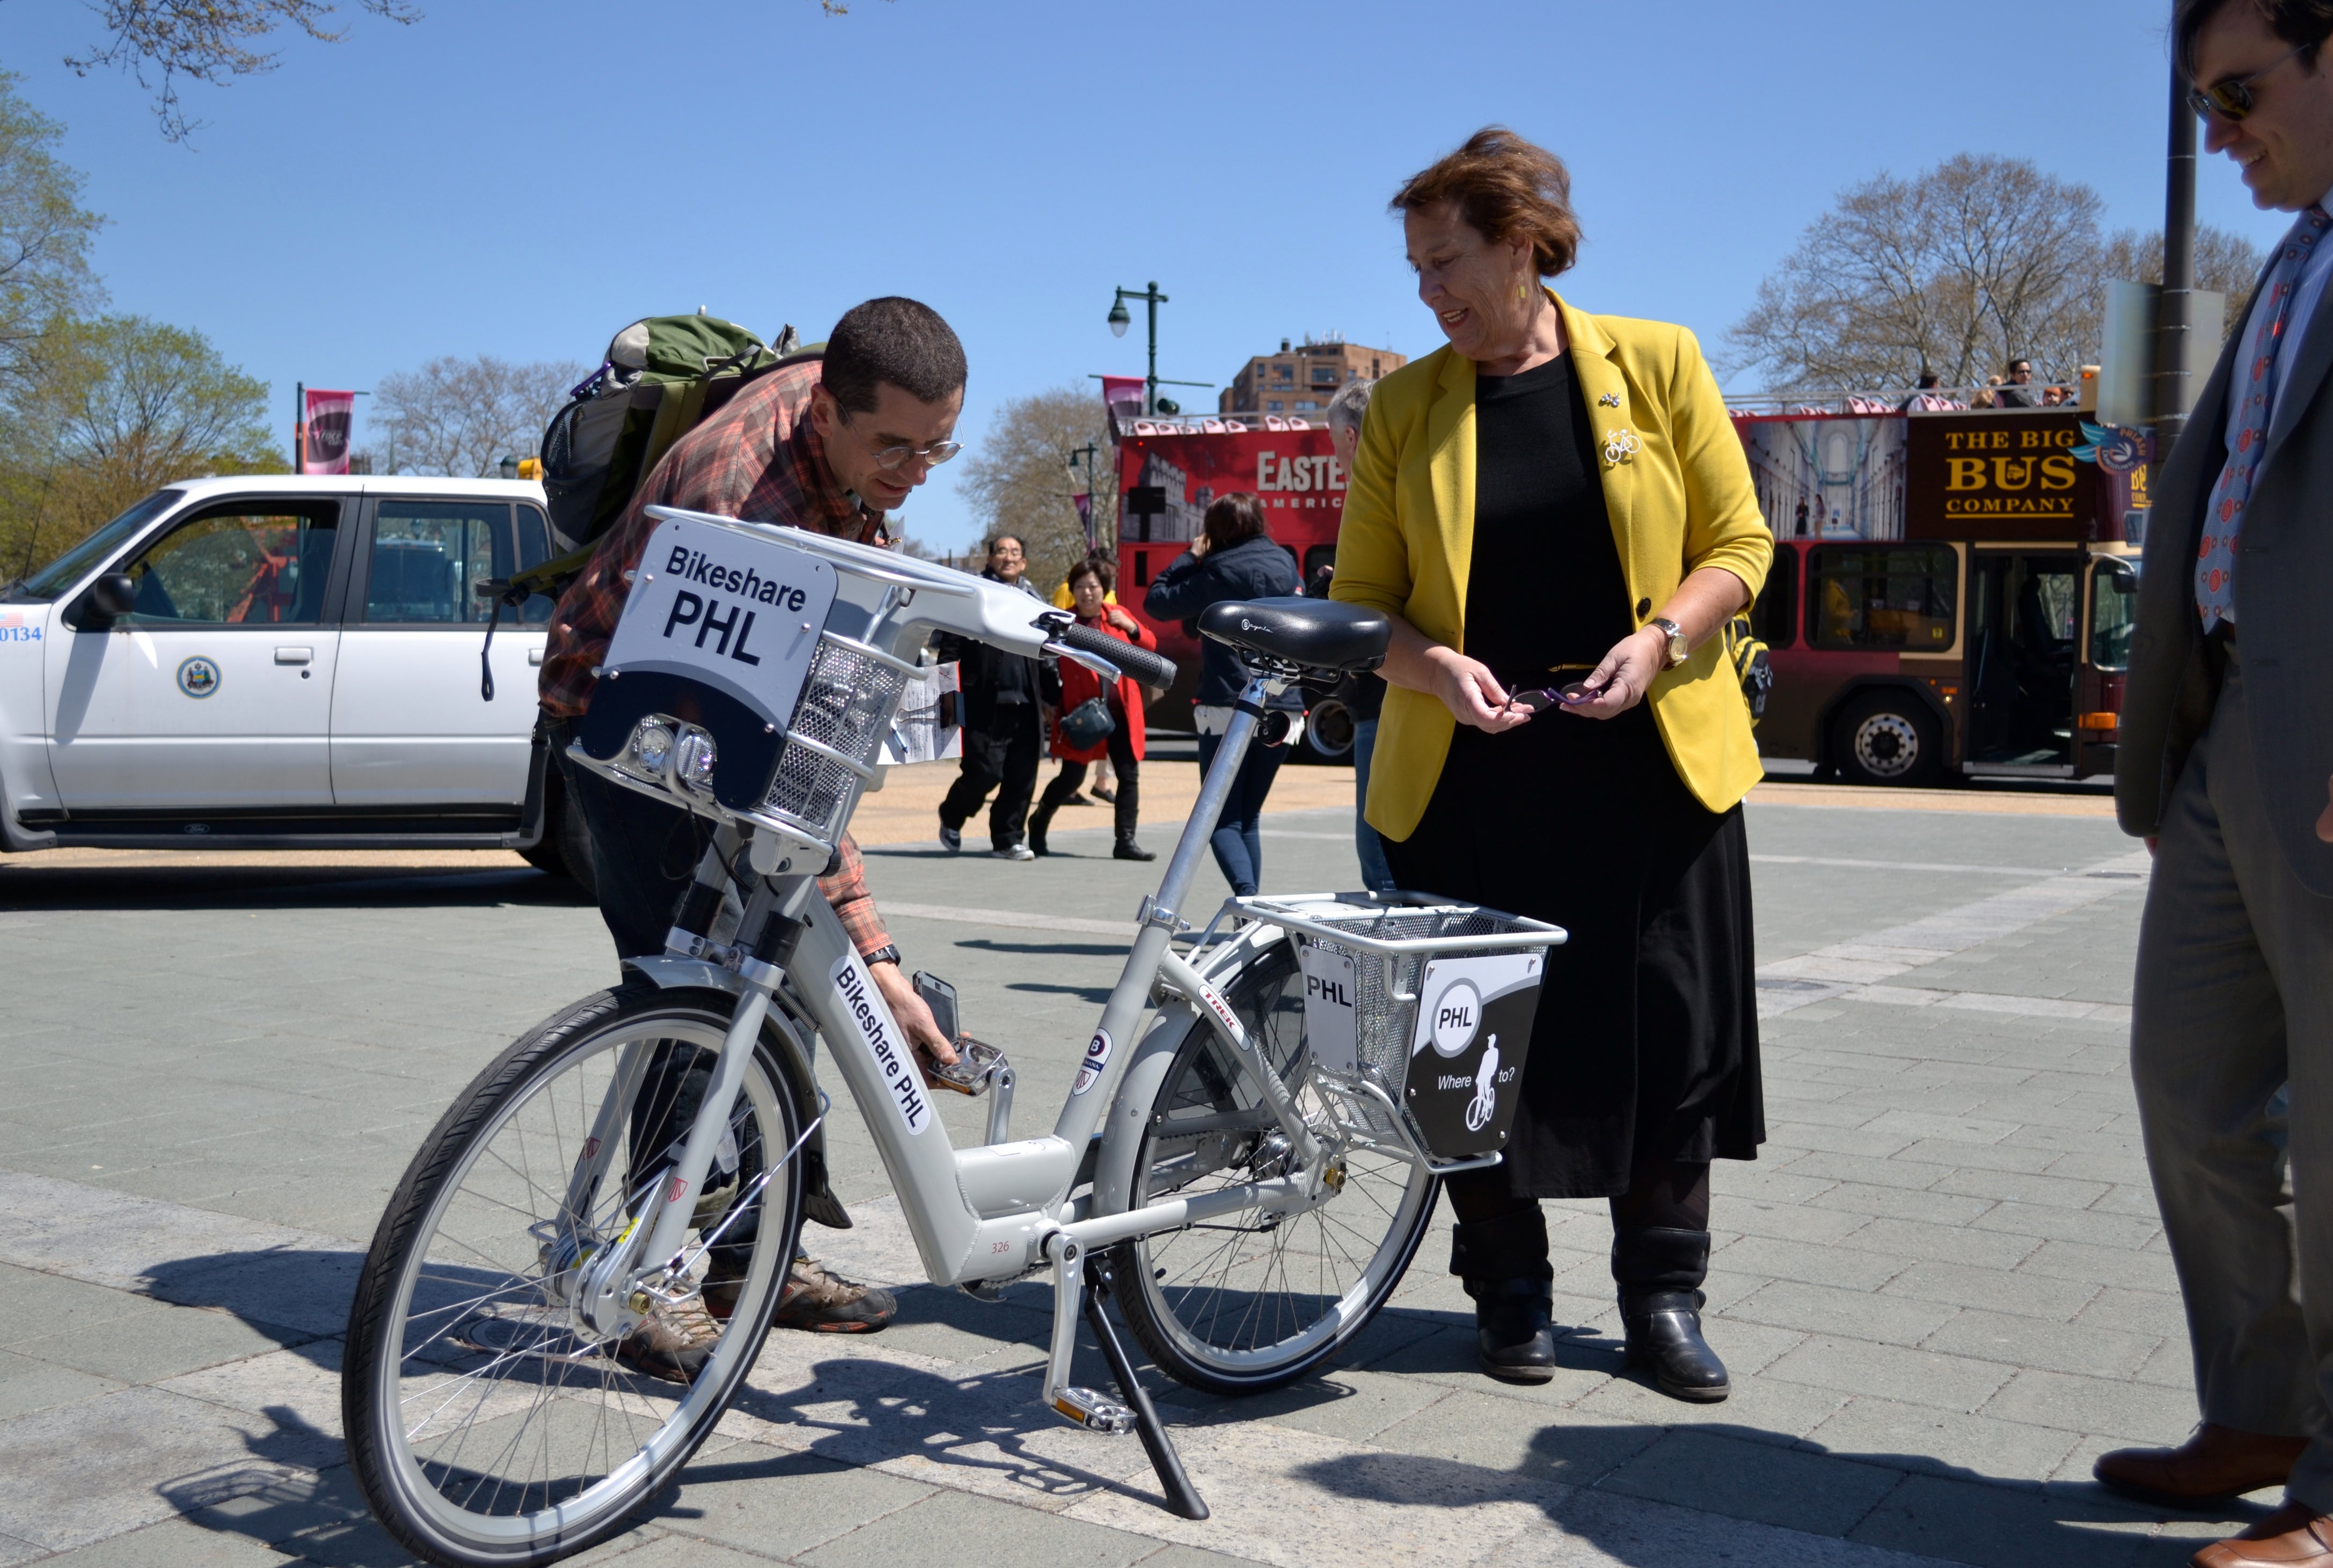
[(2226, 764)]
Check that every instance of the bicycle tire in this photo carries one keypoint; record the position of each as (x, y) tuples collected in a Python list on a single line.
[(425, 1500), (1180, 1319)]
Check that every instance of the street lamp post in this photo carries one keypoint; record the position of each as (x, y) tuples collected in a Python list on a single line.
[(1120, 320)]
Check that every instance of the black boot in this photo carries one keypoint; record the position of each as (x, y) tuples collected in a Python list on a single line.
[(1660, 1273), (1127, 849), (1039, 820), (1503, 1262)]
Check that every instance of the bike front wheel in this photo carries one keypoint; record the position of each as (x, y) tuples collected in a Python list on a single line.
[(1252, 1302), (489, 1421)]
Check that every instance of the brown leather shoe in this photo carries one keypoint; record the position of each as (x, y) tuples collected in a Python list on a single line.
[(2215, 1464), (2295, 1536)]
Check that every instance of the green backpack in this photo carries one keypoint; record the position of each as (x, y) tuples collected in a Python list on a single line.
[(660, 378)]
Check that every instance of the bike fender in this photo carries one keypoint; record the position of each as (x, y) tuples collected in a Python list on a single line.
[(1138, 1091), (794, 1053)]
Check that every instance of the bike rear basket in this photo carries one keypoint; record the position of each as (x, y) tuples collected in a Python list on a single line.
[(1371, 964)]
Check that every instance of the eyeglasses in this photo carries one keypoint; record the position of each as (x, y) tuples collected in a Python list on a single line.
[(2233, 99), (891, 457)]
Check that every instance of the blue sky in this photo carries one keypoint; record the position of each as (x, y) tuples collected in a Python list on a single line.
[(521, 177)]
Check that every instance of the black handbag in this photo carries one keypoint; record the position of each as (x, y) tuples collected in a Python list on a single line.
[(1088, 724)]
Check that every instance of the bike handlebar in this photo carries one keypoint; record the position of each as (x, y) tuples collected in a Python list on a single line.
[(1147, 668)]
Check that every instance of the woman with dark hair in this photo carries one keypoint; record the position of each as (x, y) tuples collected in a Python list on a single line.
[(1556, 512), (1233, 558), (1089, 584)]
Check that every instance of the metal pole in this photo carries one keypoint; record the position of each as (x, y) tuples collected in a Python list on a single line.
[(1152, 395), (2175, 345)]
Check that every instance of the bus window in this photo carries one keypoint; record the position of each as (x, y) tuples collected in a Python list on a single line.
[(2114, 614), (1775, 612), (1315, 557), (1881, 596)]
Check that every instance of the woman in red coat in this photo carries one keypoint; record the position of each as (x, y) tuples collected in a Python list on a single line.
[(1089, 581)]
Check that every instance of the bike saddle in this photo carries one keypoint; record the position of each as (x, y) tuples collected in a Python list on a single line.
[(1317, 634)]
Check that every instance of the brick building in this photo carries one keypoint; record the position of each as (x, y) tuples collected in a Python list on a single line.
[(1301, 380)]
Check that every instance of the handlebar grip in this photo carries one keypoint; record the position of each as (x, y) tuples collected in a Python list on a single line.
[(1146, 667)]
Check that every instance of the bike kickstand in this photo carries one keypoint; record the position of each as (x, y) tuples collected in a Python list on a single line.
[(1181, 1496)]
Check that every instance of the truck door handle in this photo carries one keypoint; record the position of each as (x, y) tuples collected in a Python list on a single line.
[(294, 655), (534, 655)]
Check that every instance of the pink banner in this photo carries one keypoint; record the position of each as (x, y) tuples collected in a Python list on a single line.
[(1122, 395), (324, 432)]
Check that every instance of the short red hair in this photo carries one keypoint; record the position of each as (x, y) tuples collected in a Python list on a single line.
[(1507, 189)]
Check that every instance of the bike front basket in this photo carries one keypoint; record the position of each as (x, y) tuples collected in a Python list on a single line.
[(1430, 1001)]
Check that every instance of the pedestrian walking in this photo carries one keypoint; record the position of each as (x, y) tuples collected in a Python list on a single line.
[(1003, 729), (1233, 558), (1083, 702), (1557, 515), (1346, 411), (1100, 780), (2224, 764)]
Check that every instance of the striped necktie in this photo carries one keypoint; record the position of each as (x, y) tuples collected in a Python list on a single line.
[(2255, 378)]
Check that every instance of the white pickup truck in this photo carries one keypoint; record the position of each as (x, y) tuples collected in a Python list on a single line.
[(283, 662)]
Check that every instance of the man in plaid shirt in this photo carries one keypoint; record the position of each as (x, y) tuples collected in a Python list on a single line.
[(830, 446)]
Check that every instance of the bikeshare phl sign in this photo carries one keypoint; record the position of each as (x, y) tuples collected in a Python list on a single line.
[(1466, 1057), (735, 609)]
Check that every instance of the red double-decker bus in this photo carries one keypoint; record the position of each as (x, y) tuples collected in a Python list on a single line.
[(1169, 469)]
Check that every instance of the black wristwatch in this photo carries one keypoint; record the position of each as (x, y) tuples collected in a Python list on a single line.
[(887, 954)]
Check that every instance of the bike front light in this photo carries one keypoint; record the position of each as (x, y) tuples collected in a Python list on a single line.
[(692, 766), (650, 749)]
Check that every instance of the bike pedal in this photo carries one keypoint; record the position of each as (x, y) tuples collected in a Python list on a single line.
[(1093, 1411)]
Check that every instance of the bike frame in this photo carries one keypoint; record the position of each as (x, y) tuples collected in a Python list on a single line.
[(1000, 1210)]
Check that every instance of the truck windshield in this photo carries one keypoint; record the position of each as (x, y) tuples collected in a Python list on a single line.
[(75, 563)]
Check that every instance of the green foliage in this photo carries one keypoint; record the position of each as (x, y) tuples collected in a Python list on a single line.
[(44, 232), (107, 411)]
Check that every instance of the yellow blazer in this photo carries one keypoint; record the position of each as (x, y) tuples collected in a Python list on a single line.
[(1682, 499)]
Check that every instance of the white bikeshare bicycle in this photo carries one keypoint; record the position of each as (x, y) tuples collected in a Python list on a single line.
[(1248, 1172)]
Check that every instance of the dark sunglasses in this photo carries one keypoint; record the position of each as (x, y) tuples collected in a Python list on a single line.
[(2233, 99)]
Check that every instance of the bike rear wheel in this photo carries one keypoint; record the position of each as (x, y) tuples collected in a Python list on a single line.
[(488, 1422), (1248, 1303)]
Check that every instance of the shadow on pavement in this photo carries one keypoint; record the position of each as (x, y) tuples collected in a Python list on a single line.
[(38, 887)]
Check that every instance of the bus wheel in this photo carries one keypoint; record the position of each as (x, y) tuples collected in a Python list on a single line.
[(1329, 730), (1887, 738)]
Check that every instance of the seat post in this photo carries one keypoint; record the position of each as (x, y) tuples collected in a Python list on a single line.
[(1213, 791)]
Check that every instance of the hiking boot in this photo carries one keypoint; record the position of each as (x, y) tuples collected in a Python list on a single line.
[(672, 1344), (951, 839), (824, 1303)]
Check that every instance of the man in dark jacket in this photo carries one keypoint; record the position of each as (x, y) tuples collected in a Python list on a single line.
[(1004, 729), (1233, 558)]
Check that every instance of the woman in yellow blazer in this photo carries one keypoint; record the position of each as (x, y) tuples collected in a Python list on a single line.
[(1556, 511)]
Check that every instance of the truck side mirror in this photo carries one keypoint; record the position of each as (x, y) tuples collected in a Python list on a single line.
[(110, 598)]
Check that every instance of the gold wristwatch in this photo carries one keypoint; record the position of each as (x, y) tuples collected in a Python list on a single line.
[(1678, 652)]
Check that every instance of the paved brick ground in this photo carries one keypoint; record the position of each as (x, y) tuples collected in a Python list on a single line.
[(1942, 1290)]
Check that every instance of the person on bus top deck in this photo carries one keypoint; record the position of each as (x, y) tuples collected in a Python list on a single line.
[(2017, 391), (827, 444), (1562, 739)]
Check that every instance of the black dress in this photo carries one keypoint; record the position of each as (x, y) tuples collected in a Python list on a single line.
[(1646, 1046)]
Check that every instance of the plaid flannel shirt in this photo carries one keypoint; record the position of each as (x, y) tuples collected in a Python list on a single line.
[(759, 459)]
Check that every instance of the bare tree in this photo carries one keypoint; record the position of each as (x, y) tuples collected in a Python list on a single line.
[(1977, 261), (1019, 478), (461, 417), (45, 232), (206, 41), (2226, 263)]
